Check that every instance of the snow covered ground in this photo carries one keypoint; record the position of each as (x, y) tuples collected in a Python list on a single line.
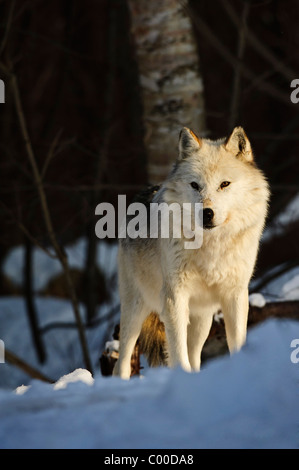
[(250, 400)]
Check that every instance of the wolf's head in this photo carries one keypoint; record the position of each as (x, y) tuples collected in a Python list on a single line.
[(223, 176)]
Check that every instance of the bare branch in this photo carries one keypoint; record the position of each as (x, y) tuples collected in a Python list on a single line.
[(268, 277), (204, 29), (47, 218), (260, 47), (80, 188), (29, 370), (29, 302), (26, 231), (8, 25), (234, 110), (50, 153)]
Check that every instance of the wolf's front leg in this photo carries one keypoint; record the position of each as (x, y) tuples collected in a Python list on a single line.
[(235, 312), (198, 331), (175, 316)]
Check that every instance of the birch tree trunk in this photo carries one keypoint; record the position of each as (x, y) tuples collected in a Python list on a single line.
[(170, 80)]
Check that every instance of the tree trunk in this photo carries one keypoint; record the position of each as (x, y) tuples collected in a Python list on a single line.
[(170, 80)]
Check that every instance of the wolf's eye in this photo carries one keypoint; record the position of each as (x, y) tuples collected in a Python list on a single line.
[(224, 184), (194, 185)]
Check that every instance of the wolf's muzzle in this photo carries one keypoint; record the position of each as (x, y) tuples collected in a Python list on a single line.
[(207, 218)]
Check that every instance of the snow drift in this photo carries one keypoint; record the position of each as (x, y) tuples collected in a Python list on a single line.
[(249, 400)]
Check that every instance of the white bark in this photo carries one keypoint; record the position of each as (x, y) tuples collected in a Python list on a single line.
[(171, 85)]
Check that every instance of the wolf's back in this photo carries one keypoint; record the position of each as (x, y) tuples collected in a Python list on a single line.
[(152, 341)]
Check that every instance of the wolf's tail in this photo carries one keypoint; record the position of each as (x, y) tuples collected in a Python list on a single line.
[(152, 341)]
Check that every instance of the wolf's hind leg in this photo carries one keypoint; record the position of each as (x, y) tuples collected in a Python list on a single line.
[(132, 317)]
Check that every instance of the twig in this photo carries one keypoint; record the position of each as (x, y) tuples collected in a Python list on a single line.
[(272, 136), (55, 44), (94, 187), (91, 252), (285, 187), (47, 218), (8, 25), (204, 29), (268, 277), (29, 370), (30, 305), (260, 47), (50, 153), (234, 110), (101, 160), (90, 324), (26, 231), (79, 188)]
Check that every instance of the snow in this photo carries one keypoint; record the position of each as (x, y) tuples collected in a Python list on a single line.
[(61, 344), (289, 215), (48, 267), (283, 287), (257, 300), (249, 400), (291, 289), (112, 345), (78, 375), (22, 389)]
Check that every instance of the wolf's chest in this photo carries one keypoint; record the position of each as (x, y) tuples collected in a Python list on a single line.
[(212, 268)]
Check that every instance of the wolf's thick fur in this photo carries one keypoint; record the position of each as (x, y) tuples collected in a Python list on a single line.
[(185, 287)]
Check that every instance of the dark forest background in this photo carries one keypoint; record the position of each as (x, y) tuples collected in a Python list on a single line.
[(71, 78)]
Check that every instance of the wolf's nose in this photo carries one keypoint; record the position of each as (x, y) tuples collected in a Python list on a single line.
[(208, 215)]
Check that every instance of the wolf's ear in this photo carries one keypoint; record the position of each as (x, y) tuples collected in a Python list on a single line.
[(188, 143), (239, 145)]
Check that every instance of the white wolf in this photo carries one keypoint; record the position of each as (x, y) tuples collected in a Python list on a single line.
[(168, 293)]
